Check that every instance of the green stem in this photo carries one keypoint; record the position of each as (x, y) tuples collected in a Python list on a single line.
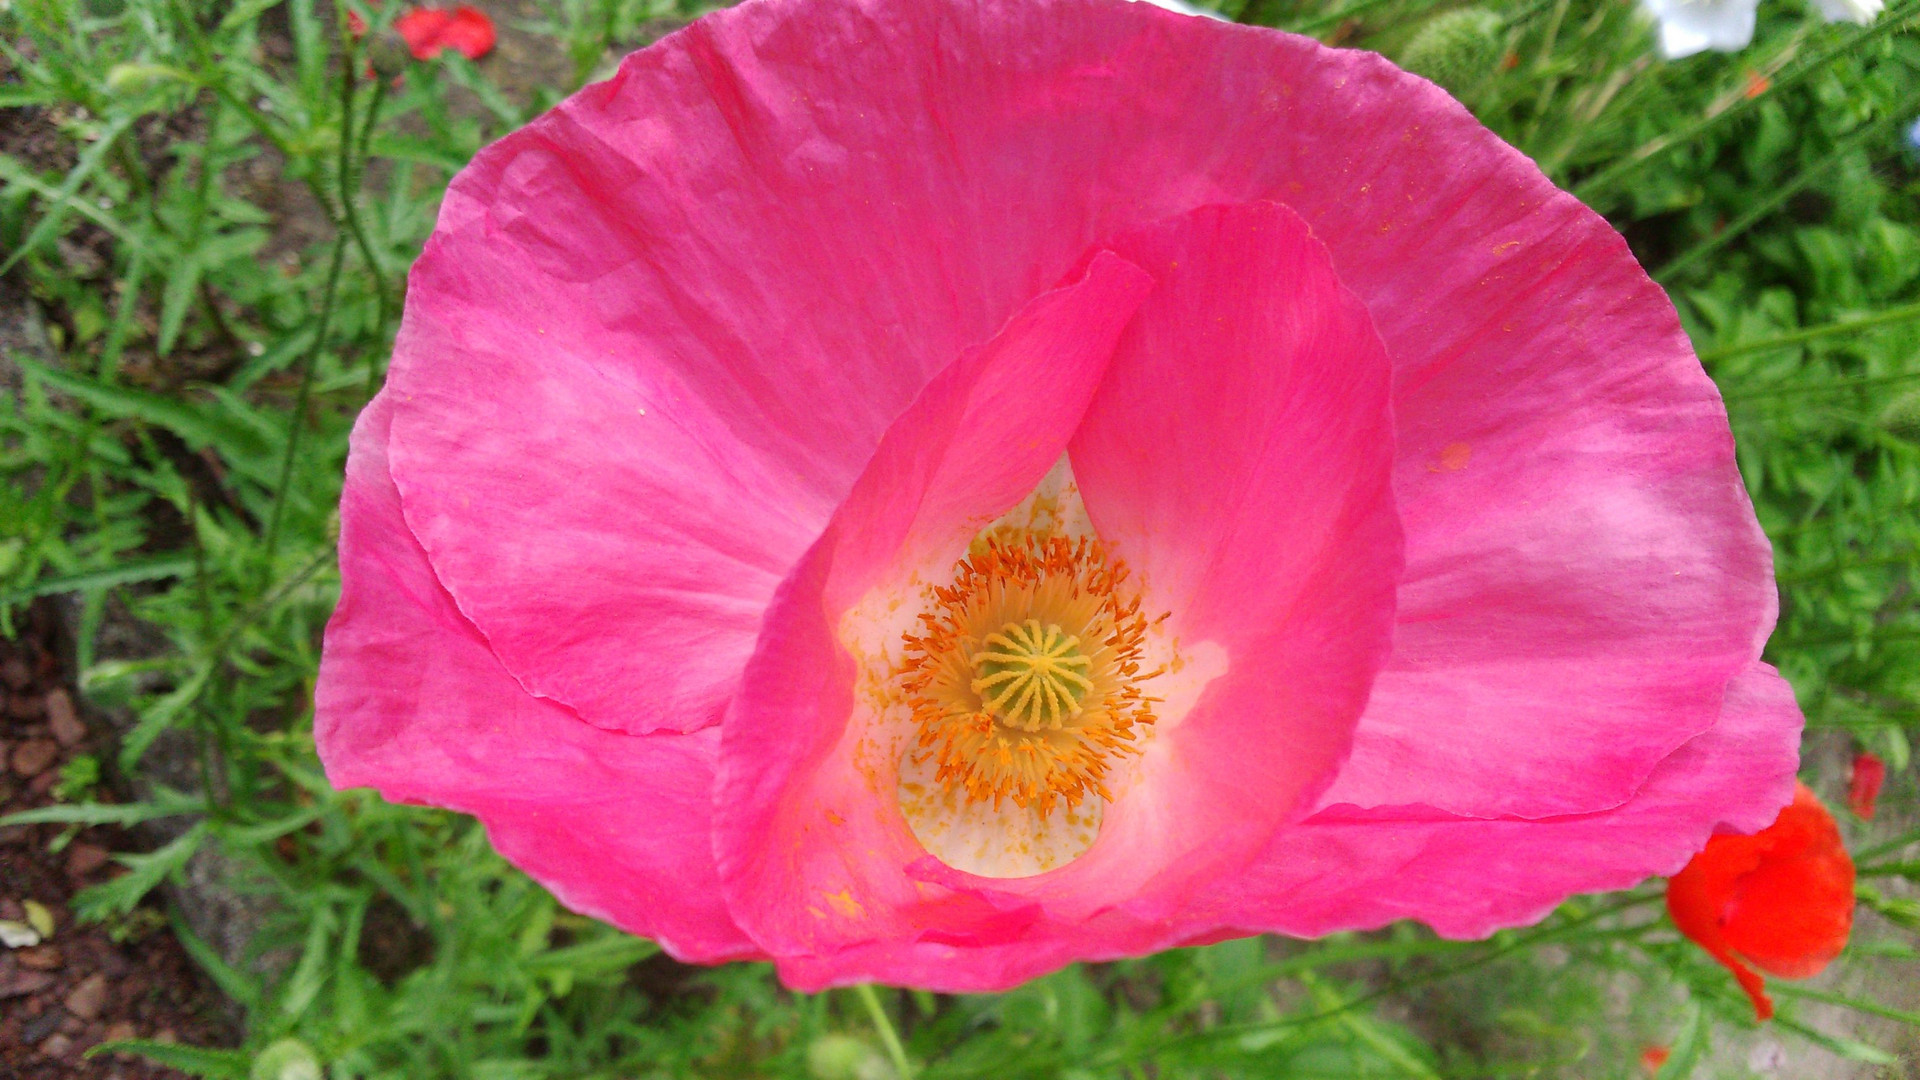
[(348, 171), (1812, 333), (1778, 197), (1541, 936), (888, 1037), (308, 360), (1892, 22)]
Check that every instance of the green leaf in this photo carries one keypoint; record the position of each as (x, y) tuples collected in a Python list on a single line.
[(119, 896), (605, 956), (195, 1060), (246, 11), (106, 577), (122, 814), (236, 984), (182, 285), (50, 220), (159, 716), (15, 97), (1692, 1043), (199, 427), (311, 973)]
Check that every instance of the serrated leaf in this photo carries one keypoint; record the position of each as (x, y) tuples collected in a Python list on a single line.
[(198, 427), (150, 569), (199, 1061), (156, 718), (167, 805), (182, 286), (119, 896)]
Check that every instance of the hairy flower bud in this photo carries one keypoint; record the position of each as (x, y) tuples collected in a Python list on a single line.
[(1457, 49)]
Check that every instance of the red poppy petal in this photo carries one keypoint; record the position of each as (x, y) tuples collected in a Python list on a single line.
[(1782, 898), (1792, 914), (469, 33), (421, 28), (429, 31)]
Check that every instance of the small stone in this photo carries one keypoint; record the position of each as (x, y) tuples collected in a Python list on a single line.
[(58, 1047), (18, 935), (119, 1031), (21, 983), (40, 957), (41, 1026), (84, 859), (64, 720), (16, 673), (32, 757), (88, 998)]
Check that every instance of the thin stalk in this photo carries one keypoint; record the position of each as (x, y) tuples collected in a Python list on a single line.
[(308, 360), (1778, 196), (1905, 558), (1864, 858), (1599, 183), (348, 172), (1523, 941), (888, 1037), (1812, 333), (1335, 18)]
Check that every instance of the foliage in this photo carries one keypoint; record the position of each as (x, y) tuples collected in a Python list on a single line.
[(212, 206)]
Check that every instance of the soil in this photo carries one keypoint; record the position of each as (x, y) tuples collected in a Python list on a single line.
[(83, 985)]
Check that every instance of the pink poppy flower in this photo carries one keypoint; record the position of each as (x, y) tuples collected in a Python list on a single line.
[(429, 31), (932, 491)]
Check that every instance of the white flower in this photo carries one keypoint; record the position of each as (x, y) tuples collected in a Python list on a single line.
[(1859, 11), (1688, 26)]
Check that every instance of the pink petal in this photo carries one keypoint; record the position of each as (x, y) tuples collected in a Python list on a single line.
[(1582, 564), (410, 701), (1238, 455), (1284, 556), (812, 846), (1351, 869)]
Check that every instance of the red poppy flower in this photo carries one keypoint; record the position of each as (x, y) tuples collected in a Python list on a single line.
[(1653, 1058), (1781, 899), (1863, 787), (429, 30)]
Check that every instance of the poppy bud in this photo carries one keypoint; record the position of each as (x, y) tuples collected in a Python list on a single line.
[(1863, 787), (1780, 900), (388, 55), (1457, 49)]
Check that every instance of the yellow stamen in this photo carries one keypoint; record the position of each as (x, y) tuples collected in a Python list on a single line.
[(1026, 683)]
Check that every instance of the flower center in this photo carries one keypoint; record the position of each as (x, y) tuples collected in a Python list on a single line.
[(1031, 676), (1026, 683)]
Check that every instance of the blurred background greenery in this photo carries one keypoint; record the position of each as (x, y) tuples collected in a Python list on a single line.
[(208, 210)]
